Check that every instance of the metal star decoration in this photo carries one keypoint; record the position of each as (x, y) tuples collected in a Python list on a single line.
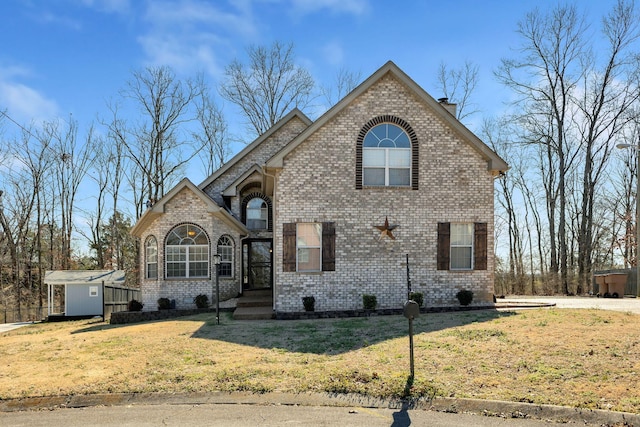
[(386, 229)]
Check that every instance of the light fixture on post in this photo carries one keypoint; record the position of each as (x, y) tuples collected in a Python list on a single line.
[(637, 149), (216, 261)]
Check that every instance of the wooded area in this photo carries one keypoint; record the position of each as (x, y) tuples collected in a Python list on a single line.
[(566, 207)]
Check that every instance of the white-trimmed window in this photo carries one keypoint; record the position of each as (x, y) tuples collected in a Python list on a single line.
[(386, 157), (151, 257), (225, 250), (257, 214), (187, 252), (461, 246), (309, 247)]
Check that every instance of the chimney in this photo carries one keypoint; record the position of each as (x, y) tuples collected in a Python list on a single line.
[(451, 108)]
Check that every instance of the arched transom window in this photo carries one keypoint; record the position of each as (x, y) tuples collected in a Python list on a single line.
[(187, 252), (386, 156), (151, 257), (257, 214), (225, 250)]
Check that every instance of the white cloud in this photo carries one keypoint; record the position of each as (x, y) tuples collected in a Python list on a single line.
[(21, 102), (189, 35)]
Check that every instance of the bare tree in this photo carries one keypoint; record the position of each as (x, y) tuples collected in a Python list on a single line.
[(213, 137), (605, 101), (72, 161), (458, 85), (344, 82), (545, 78), (157, 143), (269, 86)]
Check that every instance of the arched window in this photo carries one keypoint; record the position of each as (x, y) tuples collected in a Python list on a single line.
[(257, 214), (151, 257), (225, 250), (386, 156), (187, 252)]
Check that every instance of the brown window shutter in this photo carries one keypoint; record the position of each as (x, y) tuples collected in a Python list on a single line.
[(415, 161), (480, 246), (359, 165), (328, 246), (289, 247), (444, 243)]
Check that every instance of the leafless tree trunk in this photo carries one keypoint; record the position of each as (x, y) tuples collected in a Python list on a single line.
[(72, 162), (156, 145), (213, 136), (545, 78), (606, 98)]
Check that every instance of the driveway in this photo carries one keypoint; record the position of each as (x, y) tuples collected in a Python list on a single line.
[(630, 305)]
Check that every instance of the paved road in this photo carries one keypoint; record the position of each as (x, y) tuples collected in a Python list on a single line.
[(230, 415)]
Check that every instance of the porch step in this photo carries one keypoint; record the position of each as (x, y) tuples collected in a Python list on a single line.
[(255, 305), (256, 299), (253, 313)]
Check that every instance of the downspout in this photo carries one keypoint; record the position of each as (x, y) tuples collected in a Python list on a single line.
[(273, 233)]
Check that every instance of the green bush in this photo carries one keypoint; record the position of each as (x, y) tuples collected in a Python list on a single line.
[(201, 301), (134, 305), (164, 304), (309, 303), (465, 296), (417, 297), (370, 302)]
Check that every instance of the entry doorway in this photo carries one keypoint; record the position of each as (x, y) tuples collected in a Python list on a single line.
[(257, 260)]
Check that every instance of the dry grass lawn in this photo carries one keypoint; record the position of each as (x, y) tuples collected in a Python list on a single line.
[(580, 358)]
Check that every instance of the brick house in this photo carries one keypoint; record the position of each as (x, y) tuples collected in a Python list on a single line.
[(332, 208)]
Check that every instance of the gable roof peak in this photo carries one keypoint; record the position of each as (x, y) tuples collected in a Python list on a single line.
[(495, 163), (295, 113)]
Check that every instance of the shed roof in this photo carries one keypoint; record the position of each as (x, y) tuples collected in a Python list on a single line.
[(67, 277)]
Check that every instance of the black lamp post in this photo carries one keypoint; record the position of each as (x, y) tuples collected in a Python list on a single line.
[(216, 262)]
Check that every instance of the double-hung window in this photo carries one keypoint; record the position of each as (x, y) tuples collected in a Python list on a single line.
[(309, 246), (386, 156), (461, 246), (225, 250), (151, 257), (187, 252)]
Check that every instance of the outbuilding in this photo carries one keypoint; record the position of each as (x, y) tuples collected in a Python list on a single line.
[(79, 293)]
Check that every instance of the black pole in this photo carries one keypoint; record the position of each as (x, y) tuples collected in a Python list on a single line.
[(411, 346), (408, 280), (218, 293)]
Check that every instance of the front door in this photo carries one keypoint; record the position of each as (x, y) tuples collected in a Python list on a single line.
[(257, 255)]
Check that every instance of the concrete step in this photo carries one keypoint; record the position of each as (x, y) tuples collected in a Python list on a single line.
[(253, 313), (255, 301)]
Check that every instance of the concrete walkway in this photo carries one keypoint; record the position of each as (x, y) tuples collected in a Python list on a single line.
[(6, 327), (631, 305)]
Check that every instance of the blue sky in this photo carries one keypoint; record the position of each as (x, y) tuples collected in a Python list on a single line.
[(71, 57), (62, 57)]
